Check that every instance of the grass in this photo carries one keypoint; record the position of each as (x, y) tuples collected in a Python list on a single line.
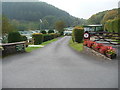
[(76, 46), (30, 49)]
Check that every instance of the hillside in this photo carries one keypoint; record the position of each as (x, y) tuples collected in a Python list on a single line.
[(103, 17), (29, 13), (110, 20)]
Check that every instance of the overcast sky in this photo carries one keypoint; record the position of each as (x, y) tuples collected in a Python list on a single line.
[(83, 8)]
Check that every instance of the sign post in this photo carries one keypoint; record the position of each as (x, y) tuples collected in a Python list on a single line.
[(86, 35)]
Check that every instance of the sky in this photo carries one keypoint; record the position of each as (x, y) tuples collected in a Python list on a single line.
[(83, 8)]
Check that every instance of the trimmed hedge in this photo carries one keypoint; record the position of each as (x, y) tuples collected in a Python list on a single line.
[(46, 37), (38, 38), (77, 34), (14, 37), (23, 38)]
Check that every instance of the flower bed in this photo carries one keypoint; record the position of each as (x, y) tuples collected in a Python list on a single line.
[(108, 51)]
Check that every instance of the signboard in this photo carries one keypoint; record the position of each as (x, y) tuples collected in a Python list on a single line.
[(86, 35)]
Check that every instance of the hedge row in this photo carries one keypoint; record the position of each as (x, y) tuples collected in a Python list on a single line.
[(77, 34), (112, 25), (39, 38), (16, 37)]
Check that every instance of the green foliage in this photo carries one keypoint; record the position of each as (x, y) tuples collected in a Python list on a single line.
[(23, 38), (112, 25), (77, 34), (51, 31), (38, 38), (47, 37), (103, 17), (43, 32), (14, 37), (6, 26), (96, 18), (59, 26), (26, 17), (110, 15), (54, 35)]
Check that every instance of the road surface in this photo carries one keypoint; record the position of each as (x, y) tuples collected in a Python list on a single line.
[(58, 66)]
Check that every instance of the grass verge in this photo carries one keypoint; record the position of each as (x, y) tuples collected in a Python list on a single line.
[(76, 46), (30, 49)]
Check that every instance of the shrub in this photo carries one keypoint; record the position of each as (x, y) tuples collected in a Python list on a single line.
[(38, 38), (23, 38), (47, 37), (14, 37), (51, 31), (43, 32), (77, 34), (97, 46), (54, 35), (85, 42), (103, 49), (90, 43)]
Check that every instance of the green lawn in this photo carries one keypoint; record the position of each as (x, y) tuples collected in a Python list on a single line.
[(30, 49), (76, 46)]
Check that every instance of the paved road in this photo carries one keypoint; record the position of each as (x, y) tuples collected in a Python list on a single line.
[(58, 66)]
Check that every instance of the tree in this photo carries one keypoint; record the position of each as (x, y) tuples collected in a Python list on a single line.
[(59, 26), (6, 26)]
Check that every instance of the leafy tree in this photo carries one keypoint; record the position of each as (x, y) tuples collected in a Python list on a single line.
[(6, 26), (59, 26), (110, 15)]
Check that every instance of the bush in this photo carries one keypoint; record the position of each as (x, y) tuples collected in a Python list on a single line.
[(43, 32), (77, 34), (47, 37), (51, 31), (14, 37), (23, 38), (54, 35), (38, 38)]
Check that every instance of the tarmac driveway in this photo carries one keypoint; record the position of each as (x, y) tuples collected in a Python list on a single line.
[(58, 66)]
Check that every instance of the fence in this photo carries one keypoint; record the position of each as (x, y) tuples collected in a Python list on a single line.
[(11, 48)]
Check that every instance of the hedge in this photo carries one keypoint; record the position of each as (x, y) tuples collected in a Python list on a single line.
[(14, 37), (23, 38), (51, 31), (43, 32), (77, 34), (46, 37), (38, 38)]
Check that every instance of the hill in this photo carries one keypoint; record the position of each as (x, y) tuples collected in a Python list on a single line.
[(102, 17), (28, 14), (109, 18)]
